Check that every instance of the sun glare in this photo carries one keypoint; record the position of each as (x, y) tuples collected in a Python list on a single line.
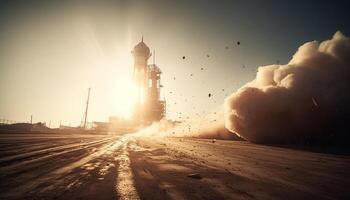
[(125, 97)]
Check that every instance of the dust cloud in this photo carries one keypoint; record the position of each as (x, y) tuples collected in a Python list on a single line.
[(209, 126), (304, 101)]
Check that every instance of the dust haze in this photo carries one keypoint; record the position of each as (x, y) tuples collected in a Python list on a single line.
[(209, 126)]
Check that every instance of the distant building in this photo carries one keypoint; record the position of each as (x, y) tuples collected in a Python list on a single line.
[(25, 128), (149, 107)]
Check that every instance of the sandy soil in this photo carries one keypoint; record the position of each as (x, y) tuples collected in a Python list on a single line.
[(47, 166)]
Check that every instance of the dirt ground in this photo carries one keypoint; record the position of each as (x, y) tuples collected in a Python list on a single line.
[(69, 166)]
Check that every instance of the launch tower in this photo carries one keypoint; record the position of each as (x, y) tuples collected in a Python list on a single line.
[(149, 107)]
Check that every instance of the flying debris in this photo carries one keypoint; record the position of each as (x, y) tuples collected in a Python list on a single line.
[(183, 57), (238, 43), (202, 68), (208, 55), (194, 176), (191, 74), (209, 95), (174, 78), (243, 66), (226, 47), (314, 101)]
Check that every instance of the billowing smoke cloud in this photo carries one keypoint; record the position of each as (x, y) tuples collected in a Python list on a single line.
[(306, 100)]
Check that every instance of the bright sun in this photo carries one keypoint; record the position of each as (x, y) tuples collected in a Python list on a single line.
[(125, 97)]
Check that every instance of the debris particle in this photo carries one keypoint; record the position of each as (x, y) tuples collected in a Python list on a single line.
[(314, 101), (194, 176), (208, 55), (226, 47), (238, 43), (213, 141), (191, 74), (183, 57), (202, 68), (209, 95)]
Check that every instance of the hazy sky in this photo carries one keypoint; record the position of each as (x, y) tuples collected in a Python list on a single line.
[(52, 51)]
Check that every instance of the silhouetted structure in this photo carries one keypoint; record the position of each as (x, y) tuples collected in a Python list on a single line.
[(149, 107)]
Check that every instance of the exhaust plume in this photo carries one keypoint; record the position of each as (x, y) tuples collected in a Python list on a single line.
[(306, 100)]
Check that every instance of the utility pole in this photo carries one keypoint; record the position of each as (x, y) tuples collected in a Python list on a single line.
[(86, 109), (31, 119)]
